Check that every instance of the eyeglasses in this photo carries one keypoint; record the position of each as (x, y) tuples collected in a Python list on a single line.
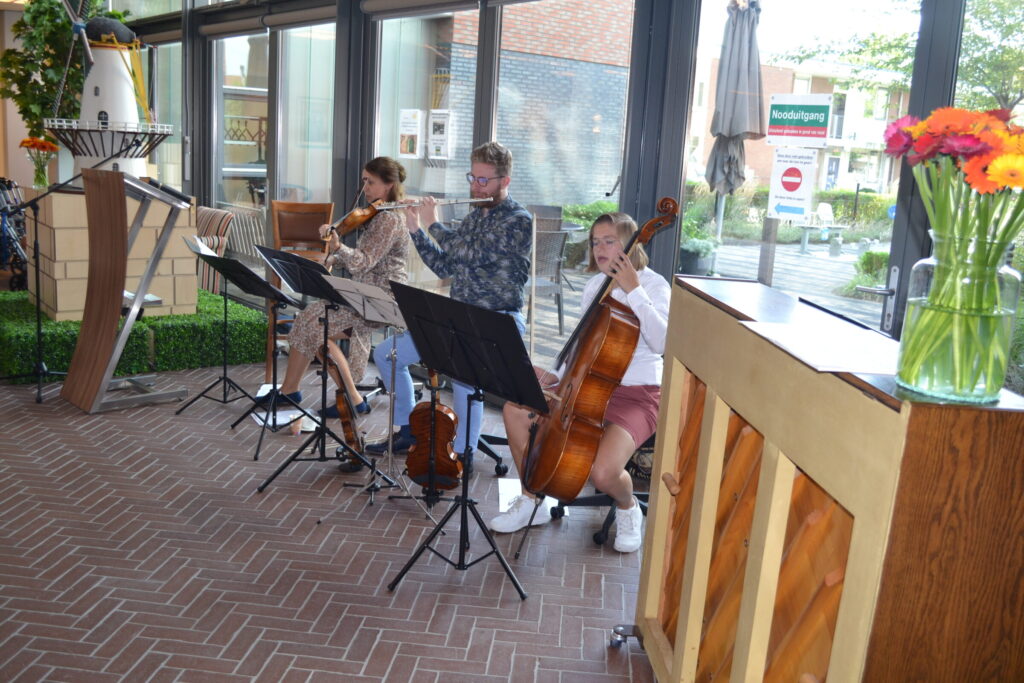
[(607, 241), (480, 180)]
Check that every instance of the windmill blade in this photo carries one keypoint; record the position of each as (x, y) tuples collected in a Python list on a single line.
[(78, 27)]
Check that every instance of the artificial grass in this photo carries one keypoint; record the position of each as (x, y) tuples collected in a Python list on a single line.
[(170, 342)]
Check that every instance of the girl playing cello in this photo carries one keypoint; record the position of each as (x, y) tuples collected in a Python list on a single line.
[(632, 413)]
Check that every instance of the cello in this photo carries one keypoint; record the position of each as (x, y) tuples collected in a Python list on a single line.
[(563, 444)]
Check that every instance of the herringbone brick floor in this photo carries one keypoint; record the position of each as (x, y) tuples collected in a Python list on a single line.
[(134, 546)]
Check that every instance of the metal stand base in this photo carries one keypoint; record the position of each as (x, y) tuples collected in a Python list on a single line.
[(622, 633)]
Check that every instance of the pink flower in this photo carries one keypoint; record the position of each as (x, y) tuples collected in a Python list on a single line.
[(965, 146), (897, 140)]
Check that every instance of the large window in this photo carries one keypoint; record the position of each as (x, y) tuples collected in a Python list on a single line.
[(563, 74), (426, 83), (240, 170), (838, 236), (307, 107), (167, 98)]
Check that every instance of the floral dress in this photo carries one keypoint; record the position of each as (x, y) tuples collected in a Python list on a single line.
[(380, 255)]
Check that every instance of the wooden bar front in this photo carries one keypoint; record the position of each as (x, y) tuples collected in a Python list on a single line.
[(823, 525)]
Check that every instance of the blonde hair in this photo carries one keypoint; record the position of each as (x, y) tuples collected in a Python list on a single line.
[(625, 227)]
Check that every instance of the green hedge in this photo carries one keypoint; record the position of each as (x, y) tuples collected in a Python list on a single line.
[(171, 342)]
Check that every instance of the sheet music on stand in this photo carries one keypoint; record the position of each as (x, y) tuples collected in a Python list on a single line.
[(372, 303)]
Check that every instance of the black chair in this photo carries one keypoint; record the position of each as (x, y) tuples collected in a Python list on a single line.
[(599, 499), (548, 272)]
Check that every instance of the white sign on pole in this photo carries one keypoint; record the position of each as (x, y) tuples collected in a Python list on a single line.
[(789, 193)]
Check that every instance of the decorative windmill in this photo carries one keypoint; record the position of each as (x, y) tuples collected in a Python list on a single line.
[(111, 98)]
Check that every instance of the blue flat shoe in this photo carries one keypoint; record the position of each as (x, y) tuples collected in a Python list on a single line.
[(332, 410)]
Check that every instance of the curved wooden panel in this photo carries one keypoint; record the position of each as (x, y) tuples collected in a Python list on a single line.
[(729, 555), (809, 586), (679, 525), (107, 212)]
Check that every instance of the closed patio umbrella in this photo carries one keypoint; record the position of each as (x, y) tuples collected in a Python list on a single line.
[(739, 102)]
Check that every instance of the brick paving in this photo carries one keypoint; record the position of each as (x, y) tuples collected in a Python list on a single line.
[(134, 546)]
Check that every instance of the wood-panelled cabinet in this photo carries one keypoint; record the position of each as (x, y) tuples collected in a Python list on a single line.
[(807, 525)]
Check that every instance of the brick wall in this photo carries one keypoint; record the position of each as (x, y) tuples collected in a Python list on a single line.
[(561, 118), (596, 31)]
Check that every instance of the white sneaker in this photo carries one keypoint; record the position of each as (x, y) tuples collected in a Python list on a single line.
[(518, 514), (627, 528)]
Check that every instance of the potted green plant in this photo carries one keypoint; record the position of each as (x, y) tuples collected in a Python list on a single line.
[(31, 74), (696, 248)]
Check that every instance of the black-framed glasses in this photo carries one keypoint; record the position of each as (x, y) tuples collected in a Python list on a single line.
[(480, 180)]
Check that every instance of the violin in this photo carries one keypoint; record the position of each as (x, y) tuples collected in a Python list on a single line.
[(346, 410), (433, 423), (563, 445), (358, 216)]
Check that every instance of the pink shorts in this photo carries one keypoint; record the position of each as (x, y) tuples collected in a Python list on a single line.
[(635, 409)]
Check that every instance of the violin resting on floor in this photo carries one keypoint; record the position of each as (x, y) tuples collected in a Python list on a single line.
[(346, 410), (425, 416)]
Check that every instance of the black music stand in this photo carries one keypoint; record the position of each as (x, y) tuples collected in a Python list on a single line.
[(307, 277), (249, 282), (269, 420), (483, 349)]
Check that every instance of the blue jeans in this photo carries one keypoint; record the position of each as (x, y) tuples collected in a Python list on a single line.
[(406, 355)]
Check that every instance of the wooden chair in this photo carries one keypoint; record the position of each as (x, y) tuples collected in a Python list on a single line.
[(296, 228)]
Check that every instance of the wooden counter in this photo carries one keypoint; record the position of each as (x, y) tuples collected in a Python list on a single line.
[(823, 524)]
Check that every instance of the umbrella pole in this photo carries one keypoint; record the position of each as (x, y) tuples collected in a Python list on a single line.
[(719, 219)]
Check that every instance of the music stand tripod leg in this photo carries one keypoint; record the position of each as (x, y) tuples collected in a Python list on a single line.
[(465, 506), (229, 384)]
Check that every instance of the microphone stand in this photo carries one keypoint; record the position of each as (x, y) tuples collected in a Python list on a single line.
[(40, 371)]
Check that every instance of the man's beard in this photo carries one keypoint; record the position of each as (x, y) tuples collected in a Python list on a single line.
[(494, 197)]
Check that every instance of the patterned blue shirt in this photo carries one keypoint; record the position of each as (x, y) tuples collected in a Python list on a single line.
[(487, 257)]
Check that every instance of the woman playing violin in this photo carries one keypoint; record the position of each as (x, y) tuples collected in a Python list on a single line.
[(632, 413), (379, 255)]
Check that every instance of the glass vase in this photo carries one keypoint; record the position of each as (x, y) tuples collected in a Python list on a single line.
[(961, 304), (40, 176)]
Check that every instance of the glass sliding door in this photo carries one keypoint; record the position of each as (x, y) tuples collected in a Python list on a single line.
[(306, 114)]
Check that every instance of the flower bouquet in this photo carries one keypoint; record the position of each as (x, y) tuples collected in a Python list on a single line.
[(961, 303), (40, 152)]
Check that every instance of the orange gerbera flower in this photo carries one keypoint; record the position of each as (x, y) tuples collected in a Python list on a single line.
[(1012, 144), (950, 121), (1007, 170), (997, 140), (977, 178)]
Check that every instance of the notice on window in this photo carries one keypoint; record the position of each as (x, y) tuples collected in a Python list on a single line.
[(439, 134), (410, 134), (799, 120), (789, 190)]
